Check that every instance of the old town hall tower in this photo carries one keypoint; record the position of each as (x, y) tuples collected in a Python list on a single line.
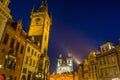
[(40, 26)]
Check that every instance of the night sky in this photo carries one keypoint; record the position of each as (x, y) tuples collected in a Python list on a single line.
[(78, 26)]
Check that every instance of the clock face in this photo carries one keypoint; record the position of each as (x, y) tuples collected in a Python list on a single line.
[(37, 20)]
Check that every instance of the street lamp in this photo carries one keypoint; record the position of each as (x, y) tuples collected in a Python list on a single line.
[(38, 76)]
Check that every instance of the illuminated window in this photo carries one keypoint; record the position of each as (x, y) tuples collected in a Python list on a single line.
[(6, 39)]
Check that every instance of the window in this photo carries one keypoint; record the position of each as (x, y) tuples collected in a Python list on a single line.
[(12, 43), (10, 64), (17, 46), (26, 60), (22, 48), (103, 50), (113, 59), (33, 63), (45, 37), (104, 61), (100, 62), (32, 52), (28, 50), (45, 51), (24, 70), (6, 39), (35, 54), (30, 62), (38, 55)]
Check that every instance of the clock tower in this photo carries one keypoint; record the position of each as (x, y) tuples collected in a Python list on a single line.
[(39, 28)]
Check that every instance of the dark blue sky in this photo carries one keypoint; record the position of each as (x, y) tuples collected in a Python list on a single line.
[(78, 25)]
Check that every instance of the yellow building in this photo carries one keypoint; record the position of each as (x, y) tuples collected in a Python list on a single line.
[(86, 70), (24, 56), (90, 67), (30, 61), (80, 71), (64, 76), (108, 62), (38, 32), (104, 65), (12, 45), (64, 70), (4, 15)]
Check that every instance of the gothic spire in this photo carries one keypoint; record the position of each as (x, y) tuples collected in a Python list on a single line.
[(43, 6), (33, 9)]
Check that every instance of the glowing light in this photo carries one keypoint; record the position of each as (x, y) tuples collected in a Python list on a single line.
[(1, 78), (77, 61), (0, 66)]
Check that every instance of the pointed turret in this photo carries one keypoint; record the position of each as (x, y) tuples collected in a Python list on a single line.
[(33, 9), (44, 6)]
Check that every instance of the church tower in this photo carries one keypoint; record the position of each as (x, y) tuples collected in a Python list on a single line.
[(70, 62), (40, 26), (64, 64), (4, 15), (59, 63)]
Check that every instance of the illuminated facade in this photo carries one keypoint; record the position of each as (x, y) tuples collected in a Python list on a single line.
[(23, 56), (64, 69), (4, 15), (64, 76), (108, 62), (38, 32), (64, 65), (12, 45), (80, 71), (30, 61), (103, 65)]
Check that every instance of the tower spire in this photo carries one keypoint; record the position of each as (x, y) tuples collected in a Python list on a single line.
[(44, 1), (33, 9), (44, 6)]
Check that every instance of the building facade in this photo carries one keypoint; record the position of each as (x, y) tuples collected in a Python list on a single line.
[(23, 56), (4, 15), (12, 45), (103, 65), (108, 62), (80, 72), (64, 70), (64, 65), (39, 31)]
